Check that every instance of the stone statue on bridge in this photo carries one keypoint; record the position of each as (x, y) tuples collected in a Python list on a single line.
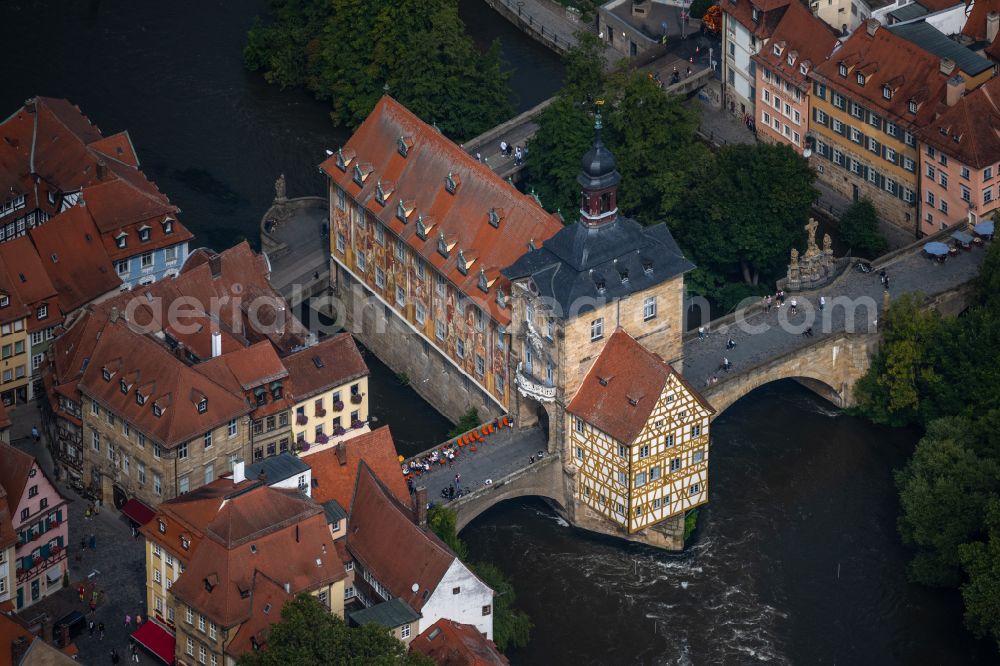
[(811, 248), (815, 266), (279, 189)]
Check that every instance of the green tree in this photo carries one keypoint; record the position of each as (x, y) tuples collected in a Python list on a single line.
[(468, 421), (699, 7), (859, 229), (987, 286), (565, 133), (742, 219), (442, 522), (981, 593), (890, 392), (511, 627), (308, 635), (585, 76), (346, 51), (943, 492)]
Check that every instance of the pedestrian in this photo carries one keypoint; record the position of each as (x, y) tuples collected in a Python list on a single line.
[(34, 433), (701, 332), (479, 158), (92, 605), (86, 514), (781, 296), (90, 627), (794, 306), (531, 460), (731, 344), (808, 332), (316, 275), (881, 276), (886, 283), (93, 542), (135, 652), (458, 481), (81, 591), (822, 303), (518, 156), (767, 304), (114, 656), (100, 630), (128, 621), (503, 147)]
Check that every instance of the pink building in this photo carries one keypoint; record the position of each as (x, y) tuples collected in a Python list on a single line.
[(40, 516), (960, 159), (800, 42)]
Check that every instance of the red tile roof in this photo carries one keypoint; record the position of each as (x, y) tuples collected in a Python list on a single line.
[(419, 180), (910, 72), (252, 634), (450, 643), (969, 131), (334, 480), (622, 388), (975, 22), (382, 536), (10, 630), (7, 535), (802, 35), (329, 363), (75, 259), (52, 138), (24, 280), (277, 532), (14, 468), (769, 14), (164, 380)]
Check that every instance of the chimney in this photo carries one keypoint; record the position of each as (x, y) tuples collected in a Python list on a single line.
[(29, 104), (341, 454), (421, 502), (956, 86), (102, 169), (288, 588), (215, 265), (872, 27), (947, 66), (216, 344), (114, 314), (239, 471), (47, 629), (18, 648), (992, 26)]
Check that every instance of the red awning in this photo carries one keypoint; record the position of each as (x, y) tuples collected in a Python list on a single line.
[(157, 640), (138, 512)]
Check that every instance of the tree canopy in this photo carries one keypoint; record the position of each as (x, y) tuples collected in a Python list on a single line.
[(309, 635), (859, 229), (347, 51)]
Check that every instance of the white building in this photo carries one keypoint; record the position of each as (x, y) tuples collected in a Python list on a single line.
[(747, 25)]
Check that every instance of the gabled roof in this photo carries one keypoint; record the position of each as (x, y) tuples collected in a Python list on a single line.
[(167, 384), (407, 559), (969, 131), (14, 467), (118, 147), (267, 597), (613, 260), (623, 386), (329, 363), (255, 365), (24, 280), (799, 32), (275, 532), (418, 180), (7, 535), (912, 73), (450, 643), (335, 470), (975, 23), (769, 13), (74, 257)]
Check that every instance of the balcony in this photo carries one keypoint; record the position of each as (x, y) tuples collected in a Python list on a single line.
[(530, 387)]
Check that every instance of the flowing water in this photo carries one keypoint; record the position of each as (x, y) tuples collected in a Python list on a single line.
[(796, 560)]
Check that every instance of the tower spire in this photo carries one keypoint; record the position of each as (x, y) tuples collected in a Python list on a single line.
[(599, 179)]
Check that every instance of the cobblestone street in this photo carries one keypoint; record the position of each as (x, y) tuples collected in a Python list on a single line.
[(115, 568)]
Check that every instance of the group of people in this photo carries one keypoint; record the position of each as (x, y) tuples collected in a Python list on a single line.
[(510, 150)]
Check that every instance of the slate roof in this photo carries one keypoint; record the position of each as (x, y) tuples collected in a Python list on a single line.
[(933, 40), (576, 262), (418, 179), (334, 512), (623, 386), (277, 468), (450, 643), (389, 614)]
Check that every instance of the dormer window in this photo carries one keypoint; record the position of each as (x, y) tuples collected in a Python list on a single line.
[(442, 246), (383, 191), (777, 48), (361, 172), (140, 399), (451, 183), (124, 386), (912, 106), (647, 266), (790, 60), (168, 226), (185, 542), (501, 301), (107, 374), (483, 285), (755, 15), (121, 240), (162, 527), (404, 210), (861, 79), (886, 92), (803, 70), (344, 158), (157, 410), (531, 244), (4, 301), (624, 276), (842, 69), (144, 234), (203, 405), (600, 284), (421, 229), (495, 216), (403, 145), (276, 390)]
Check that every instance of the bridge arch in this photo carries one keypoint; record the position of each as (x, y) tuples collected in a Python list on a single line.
[(543, 479)]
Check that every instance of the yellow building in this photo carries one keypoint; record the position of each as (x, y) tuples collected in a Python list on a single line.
[(221, 563), (638, 436), (329, 389)]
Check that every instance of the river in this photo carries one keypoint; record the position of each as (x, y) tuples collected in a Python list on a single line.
[(796, 559)]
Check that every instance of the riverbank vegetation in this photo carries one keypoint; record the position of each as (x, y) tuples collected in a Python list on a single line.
[(942, 374), (511, 627), (347, 53), (736, 213), (309, 635)]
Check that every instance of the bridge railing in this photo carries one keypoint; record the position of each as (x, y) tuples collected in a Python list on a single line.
[(494, 134), (469, 439)]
